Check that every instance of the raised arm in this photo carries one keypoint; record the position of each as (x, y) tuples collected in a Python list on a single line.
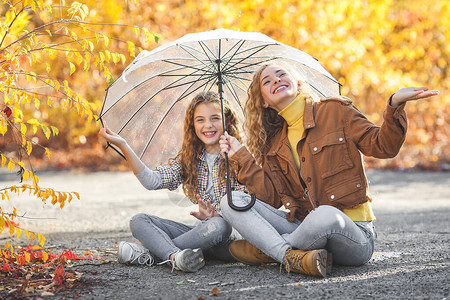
[(133, 160)]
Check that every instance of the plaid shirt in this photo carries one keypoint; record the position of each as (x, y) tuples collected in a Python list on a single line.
[(171, 179)]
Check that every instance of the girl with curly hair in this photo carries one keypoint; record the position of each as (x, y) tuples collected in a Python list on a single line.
[(306, 155), (199, 167)]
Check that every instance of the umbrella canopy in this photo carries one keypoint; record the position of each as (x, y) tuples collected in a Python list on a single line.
[(146, 105)]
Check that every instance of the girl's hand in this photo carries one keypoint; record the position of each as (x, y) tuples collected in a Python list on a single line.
[(229, 144), (112, 137), (205, 210), (411, 93)]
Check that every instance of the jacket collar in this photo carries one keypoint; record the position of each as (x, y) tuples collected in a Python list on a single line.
[(281, 138)]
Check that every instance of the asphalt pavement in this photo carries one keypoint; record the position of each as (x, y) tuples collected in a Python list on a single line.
[(412, 258)]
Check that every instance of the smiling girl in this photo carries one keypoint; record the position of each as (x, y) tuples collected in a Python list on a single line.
[(199, 167), (306, 155)]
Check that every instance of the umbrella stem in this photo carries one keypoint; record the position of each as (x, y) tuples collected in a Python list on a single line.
[(229, 197)]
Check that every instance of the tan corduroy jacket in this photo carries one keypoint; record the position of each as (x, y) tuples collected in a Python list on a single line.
[(336, 133)]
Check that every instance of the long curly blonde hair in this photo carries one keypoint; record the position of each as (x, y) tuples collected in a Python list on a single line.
[(261, 124), (192, 147)]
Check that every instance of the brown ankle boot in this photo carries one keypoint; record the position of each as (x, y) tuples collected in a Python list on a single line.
[(246, 253), (314, 262)]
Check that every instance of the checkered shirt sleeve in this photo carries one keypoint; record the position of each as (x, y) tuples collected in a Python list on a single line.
[(170, 175)]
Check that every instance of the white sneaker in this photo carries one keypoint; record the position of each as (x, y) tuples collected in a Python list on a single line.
[(189, 260), (134, 254)]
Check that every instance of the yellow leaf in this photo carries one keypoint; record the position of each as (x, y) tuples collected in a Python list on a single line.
[(27, 256), (32, 235), (23, 128), (131, 48), (106, 40), (41, 239), (3, 160), (21, 164), (27, 233), (11, 228), (3, 126), (33, 122), (11, 165), (18, 232), (61, 205), (137, 31), (29, 147), (47, 152), (54, 200), (70, 197), (76, 194), (11, 249), (2, 222), (72, 68), (44, 256), (37, 103)]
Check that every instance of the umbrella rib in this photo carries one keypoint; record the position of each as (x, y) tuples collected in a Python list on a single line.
[(165, 115), (244, 58), (233, 93), (156, 75), (143, 104), (196, 58)]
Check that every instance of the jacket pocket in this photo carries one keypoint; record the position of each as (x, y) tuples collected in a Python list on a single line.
[(278, 174), (347, 193), (331, 154)]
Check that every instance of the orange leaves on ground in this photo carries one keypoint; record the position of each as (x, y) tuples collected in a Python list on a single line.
[(36, 270)]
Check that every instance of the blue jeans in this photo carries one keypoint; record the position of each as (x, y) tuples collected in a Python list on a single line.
[(162, 237), (326, 227)]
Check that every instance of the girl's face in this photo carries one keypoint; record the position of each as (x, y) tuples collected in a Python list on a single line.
[(278, 87), (208, 126)]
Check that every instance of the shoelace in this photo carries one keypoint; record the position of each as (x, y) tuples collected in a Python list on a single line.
[(145, 259), (172, 263), (296, 260)]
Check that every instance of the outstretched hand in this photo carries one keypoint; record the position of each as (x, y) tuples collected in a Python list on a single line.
[(229, 144), (205, 210), (411, 93), (112, 137)]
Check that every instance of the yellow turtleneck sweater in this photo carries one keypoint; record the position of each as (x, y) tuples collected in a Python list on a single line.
[(293, 115)]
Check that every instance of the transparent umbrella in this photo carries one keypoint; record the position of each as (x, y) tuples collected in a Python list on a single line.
[(146, 105)]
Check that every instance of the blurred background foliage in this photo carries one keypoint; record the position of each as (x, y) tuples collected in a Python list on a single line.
[(372, 47)]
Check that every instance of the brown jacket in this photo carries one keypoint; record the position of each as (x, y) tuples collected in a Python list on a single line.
[(336, 133)]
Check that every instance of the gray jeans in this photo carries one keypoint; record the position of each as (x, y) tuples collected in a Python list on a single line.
[(162, 237), (267, 228)]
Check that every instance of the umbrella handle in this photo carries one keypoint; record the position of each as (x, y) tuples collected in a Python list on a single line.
[(241, 208), (230, 200)]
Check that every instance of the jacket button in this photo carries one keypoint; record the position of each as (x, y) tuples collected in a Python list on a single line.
[(332, 197), (309, 125), (315, 148), (287, 204), (341, 139), (273, 151), (358, 185), (303, 159), (308, 179)]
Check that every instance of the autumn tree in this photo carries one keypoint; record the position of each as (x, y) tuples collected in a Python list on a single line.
[(47, 51)]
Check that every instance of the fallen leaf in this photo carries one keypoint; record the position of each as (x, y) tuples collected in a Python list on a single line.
[(215, 291)]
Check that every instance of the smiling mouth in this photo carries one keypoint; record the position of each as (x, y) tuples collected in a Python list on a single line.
[(209, 134), (280, 88)]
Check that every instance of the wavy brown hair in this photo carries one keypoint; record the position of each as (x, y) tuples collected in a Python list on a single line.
[(192, 147), (261, 124)]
